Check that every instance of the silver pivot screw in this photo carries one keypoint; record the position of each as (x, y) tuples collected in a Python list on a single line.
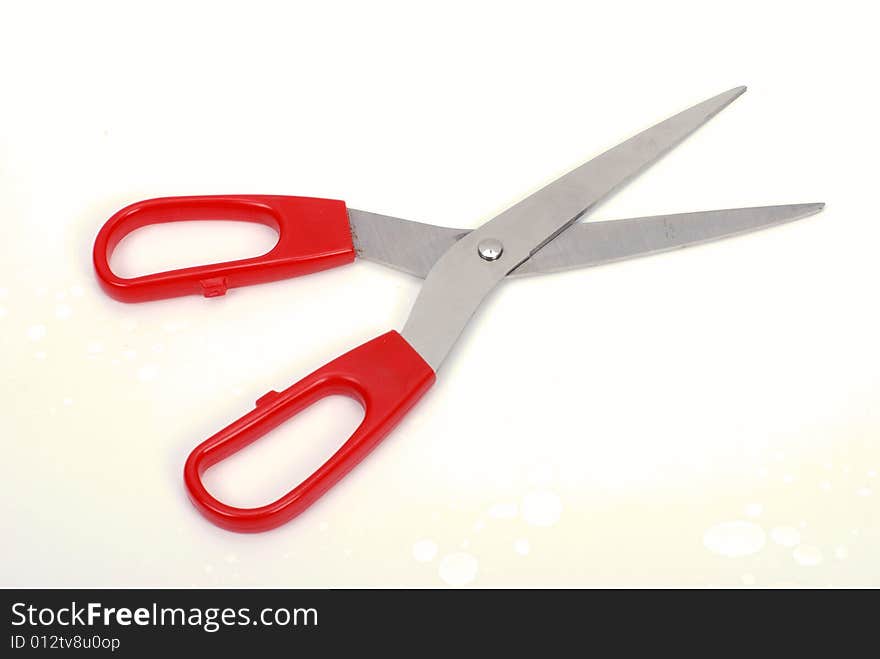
[(490, 249)]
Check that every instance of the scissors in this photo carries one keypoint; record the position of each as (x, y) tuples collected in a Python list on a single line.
[(390, 373)]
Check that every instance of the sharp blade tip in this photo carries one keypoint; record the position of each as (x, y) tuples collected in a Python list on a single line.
[(801, 211), (724, 99)]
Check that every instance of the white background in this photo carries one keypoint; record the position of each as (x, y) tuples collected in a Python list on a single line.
[(707, 417)]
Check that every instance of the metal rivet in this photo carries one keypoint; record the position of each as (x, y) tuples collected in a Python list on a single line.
[(490, 249)]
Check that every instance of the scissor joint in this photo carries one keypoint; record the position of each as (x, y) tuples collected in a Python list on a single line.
[(490, 249)]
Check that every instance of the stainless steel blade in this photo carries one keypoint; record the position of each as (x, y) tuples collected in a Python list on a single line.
[(413, 247), (596, 243), (460, 280)]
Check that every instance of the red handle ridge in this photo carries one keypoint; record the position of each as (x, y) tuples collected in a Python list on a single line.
[(386, 375), (313, 234)]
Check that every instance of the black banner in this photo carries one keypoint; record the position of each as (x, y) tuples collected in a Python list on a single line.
[(144, 622)]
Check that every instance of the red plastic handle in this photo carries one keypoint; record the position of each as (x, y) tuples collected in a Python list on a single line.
[(386, 375), (314, 235)]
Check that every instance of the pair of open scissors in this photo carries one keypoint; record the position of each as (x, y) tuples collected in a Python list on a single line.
[(390, 373)]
